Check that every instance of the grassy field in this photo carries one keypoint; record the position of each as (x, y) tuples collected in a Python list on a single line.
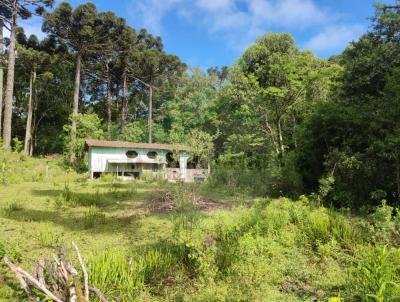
[(236, 248)]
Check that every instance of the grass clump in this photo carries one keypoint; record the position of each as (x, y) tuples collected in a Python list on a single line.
[(93, 217), (123, 275), (12, 207)]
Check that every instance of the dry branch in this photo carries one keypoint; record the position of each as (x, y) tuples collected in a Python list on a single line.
[(85, 274), (21, 280), (62, 278), (98, 293), (33, 281)]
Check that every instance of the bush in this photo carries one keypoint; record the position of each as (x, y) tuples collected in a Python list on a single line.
[(274, 180), (87, 126), (376, 276)]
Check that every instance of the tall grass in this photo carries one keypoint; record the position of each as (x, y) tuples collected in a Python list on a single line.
[(122, 275), (93, 217), (14, 206)]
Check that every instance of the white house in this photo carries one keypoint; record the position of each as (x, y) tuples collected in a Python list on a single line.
[(132, 160)]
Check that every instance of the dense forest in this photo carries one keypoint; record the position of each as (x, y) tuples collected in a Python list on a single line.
[(279, 121)]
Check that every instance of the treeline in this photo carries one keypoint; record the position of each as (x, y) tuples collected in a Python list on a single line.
[(280, 121)]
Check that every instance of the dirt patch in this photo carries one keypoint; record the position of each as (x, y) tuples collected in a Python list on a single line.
[(166, 203), (302, 289)]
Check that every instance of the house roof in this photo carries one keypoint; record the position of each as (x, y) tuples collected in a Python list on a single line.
[(121, 144)]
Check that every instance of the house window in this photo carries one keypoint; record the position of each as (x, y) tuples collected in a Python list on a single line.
[(152, 154), (131, 154)]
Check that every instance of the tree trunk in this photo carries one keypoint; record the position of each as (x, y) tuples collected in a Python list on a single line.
[(8, 101), (109, 103), (124, 102), (28, 130), (280, 139), (398, 178), (1, 74), (75, 107), (150, 117)]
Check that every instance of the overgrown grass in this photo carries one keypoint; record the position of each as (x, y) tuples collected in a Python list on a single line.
[(258, 250)]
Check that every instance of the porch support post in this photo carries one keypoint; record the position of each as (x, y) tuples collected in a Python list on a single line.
[(183, 165)]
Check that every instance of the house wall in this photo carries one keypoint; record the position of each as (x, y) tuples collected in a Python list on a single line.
[(98, 157)]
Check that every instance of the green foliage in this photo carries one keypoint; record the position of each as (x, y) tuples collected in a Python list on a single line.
[(88, 126), (134, 132), (377, 275), (202, 147), (93, 217), (10, 208), (122, 276), (17, 144)]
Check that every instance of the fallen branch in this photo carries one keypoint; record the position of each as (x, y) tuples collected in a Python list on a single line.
[(21, 280), (32, 280), (63, 279), (98, 293), (85, 274)]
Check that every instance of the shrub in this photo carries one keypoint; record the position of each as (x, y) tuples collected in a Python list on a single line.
[(376, 276), (87, 126), (17, 144), (384, 223)]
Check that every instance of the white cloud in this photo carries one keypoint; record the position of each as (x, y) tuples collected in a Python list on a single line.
[(152, 12), (240, 22), (287, 13), (215, 5), (334, 38)]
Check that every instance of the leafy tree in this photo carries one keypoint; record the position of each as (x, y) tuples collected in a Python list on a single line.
[(202, 147), (30, 61), (10, 10), (88, 127), (1, 73), (77, 29)]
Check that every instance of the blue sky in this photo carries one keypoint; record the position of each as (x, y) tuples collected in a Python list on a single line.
[(215, 32)]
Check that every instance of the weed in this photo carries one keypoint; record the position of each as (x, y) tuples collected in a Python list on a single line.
[(377, 274), (11, 208), (93, 217), (46, 237)]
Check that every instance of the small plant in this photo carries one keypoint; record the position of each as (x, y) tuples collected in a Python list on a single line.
[(4, 171), (17, 144), (67, 193), (377, 275), (93, 217), (10, 250), (47, 238), (11, 208)]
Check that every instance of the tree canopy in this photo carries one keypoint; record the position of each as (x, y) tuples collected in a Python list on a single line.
[(295, 123)]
